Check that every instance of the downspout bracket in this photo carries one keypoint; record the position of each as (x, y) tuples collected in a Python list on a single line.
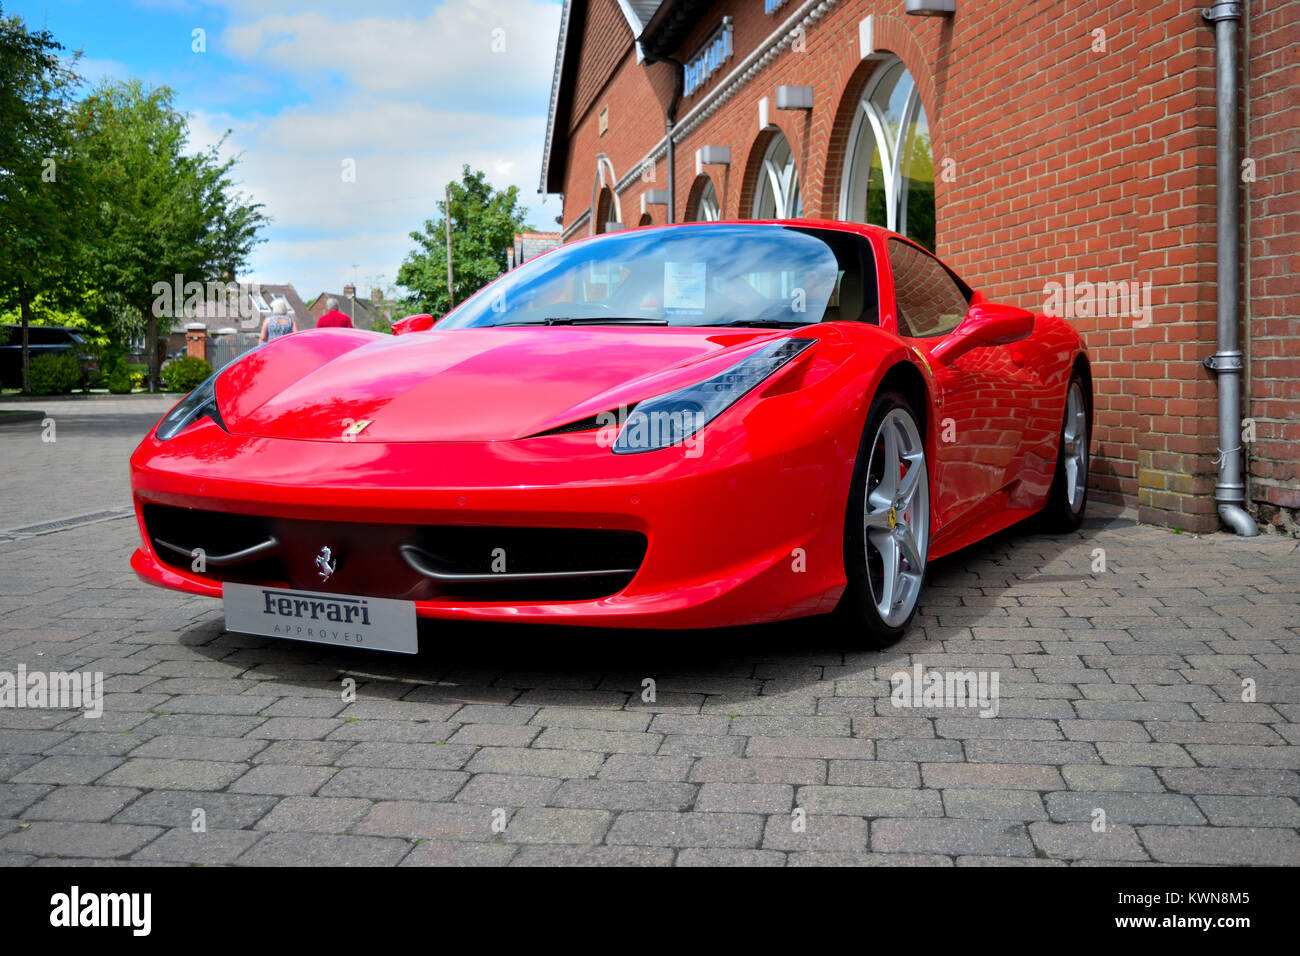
[(1224, 362), (1224, 10)]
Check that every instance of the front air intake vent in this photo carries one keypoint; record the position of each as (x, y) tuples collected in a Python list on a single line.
[(615, 417), (421, 562)]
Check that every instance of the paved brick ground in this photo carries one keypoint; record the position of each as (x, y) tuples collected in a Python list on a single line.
[(84, 469), (1120, 693)]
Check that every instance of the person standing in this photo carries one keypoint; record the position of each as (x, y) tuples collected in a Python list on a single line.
[(278, 323), (334, 319)]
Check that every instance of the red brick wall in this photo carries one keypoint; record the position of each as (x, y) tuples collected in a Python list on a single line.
[(1272, 214), (605, 39), (1097, 164), (635, 95)]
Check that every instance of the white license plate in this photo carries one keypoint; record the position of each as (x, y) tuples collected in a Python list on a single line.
[(344, 620)]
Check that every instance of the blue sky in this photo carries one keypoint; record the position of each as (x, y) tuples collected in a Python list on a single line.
[(401, 92)]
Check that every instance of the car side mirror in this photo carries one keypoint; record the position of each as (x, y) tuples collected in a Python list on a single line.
[(413, 323), (987, 323)]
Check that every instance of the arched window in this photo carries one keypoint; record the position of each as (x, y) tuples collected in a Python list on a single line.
[(707, 208), (605, 213), (777, 193), (702, 202), (889, 168)]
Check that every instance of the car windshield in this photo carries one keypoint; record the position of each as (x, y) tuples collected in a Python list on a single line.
[(706, 275)]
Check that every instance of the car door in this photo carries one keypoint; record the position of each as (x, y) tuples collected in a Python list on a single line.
[(983, 397)]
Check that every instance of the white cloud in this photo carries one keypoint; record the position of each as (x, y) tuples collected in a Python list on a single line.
[(402, 155), (421, 94), (468, 49), (93, 70)]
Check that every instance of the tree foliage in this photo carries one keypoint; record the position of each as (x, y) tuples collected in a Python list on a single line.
[(161, 210), (483, 225), (42, 200), (101, 199)]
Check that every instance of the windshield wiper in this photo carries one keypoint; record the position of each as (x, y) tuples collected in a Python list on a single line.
[(605, 320), (584, 320), (765, 323)]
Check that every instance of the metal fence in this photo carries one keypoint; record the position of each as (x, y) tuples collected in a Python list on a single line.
[(224, 347)]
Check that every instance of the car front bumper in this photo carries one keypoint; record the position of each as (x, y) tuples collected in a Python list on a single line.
[(749, 531)]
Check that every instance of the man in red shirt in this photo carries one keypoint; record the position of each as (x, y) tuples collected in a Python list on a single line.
[(333, 319)]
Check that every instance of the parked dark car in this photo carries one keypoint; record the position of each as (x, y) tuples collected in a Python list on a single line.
[(41, 340)]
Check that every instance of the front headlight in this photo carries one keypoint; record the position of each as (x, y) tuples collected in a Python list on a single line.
[(202, 401), (671, 419)]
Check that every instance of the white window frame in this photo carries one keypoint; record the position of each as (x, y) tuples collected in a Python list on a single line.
[(782, 182), (604, 177), (890, 152)]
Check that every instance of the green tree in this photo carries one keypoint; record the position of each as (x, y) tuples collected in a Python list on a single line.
[(483, 226), (162, 210), (42, 203)]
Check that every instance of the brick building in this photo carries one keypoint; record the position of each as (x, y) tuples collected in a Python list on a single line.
[(530, 245), (1050, 151), (364, 313), (233, 320)]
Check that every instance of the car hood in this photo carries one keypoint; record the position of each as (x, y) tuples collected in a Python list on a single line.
[(491, 384)]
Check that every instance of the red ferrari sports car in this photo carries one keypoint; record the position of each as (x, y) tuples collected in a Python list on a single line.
[(686, 427)]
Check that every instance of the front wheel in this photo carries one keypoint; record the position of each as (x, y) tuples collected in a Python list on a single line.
[(887, 527)]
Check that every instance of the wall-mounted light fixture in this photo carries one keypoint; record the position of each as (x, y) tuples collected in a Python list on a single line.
[(931, 8), (794, 97)]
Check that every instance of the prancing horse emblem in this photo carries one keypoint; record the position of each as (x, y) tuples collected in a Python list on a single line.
[(326, 562)]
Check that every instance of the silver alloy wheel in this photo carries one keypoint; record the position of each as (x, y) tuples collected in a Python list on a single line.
[(897, 517), (1074, 447)]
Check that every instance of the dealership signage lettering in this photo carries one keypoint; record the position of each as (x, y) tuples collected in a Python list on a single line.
[(709, 59)]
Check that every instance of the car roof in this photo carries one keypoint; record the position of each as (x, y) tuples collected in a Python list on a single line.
[(835, 225)]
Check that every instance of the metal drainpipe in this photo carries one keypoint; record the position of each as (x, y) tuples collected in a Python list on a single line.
[(1226, 363), (670, 121)]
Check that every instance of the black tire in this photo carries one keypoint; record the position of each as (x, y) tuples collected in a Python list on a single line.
[(1068, 499), (858, 616)]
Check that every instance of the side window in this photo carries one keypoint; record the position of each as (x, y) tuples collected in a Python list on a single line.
[(930, 299), (853, 298)]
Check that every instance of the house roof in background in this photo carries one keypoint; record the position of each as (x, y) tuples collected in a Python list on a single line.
[(366, 313), (290, 295), (240, 311), (530, 245)]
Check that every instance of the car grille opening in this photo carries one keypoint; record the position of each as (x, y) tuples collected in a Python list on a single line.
[(413, 562)]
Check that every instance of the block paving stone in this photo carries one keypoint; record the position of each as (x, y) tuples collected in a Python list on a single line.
[(1120, 692)]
